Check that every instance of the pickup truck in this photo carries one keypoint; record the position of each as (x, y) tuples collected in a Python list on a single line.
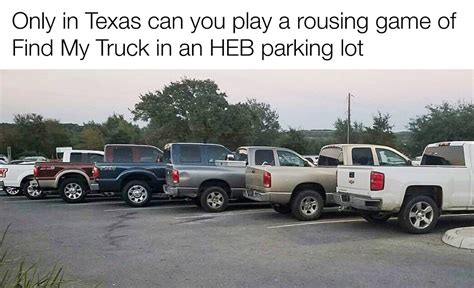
[(211, 175), (292, 187), (443, 183), (15, 178), (71, 176), (134, 171)]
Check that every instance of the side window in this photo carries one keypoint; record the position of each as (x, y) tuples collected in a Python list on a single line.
[(93, 158), (215, 152), (444, 155), (122, 154), (167, 155), (287, 158), (362, 156), (149, 154), (264, 157), (242, 155), (331, 156), (190, 154), (390, 158), (75, 158)]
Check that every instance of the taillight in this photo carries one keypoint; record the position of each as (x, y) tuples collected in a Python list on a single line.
[(95, 172), (175, 176), (377, 181), (35, 171), (3, 172), (267, 179)]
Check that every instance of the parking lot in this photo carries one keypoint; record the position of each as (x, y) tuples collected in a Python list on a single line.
[(175, 244)]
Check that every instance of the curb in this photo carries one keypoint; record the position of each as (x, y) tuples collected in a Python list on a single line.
[(460, 237)]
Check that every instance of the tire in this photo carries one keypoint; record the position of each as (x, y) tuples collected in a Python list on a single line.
[(32, 192), (73, 190), (282, 208), (137, 193), (214, 199), (376, 217), (419, 215), (307, 205), (12, 191)]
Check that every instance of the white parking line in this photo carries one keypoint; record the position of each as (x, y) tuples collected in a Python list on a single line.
[(32, 201), (150, 208), (224, 214), (316, 223)]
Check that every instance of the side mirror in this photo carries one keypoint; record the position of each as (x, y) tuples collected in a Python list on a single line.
[(230, 157)]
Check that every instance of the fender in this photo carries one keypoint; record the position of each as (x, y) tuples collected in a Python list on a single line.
[(144, 172), (76, 171)]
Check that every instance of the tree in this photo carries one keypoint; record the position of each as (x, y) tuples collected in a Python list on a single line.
[(117, 130), (91, 137), (250, 123), (295, 140), (55, 135), (381, 131), (356, 132), (188, 110), (31, 130), (445, 122)]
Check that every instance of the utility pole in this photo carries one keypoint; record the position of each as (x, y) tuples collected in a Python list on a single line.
[(349, 117)]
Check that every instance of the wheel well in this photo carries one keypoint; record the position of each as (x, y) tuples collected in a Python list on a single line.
[(72, 175), (435, 192), (133, 177), (309, 186), (215, 182), (25, 180)]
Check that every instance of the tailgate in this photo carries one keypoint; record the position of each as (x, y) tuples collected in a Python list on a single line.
[(354, 179), (254, 178)]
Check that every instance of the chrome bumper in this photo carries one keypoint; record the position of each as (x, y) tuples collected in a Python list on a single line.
[(256, 195), (358, 202)]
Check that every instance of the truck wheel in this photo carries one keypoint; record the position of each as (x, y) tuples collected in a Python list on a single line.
[(73, 190), (307, 205), (12, 191), (214, 199), (32, 192), (419, 215), (281, 208), (137, 193), (376, 217)]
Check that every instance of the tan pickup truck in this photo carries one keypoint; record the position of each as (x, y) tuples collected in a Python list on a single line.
[(304, 191)]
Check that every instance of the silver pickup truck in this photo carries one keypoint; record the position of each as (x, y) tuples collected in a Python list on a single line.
[(304, 191), (211, 175)]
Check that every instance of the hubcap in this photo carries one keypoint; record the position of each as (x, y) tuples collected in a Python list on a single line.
[(421, 215), (137, 193), (215, 199), (73, 191), (33, 191), (309, 205), (12, 191)]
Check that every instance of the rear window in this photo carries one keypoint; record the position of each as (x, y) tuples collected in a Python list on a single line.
[(215, 152), (331, 157), (190, 154), (444, 155), (75, 158), (94, 158), (264, 157), (362, 156), (122, 154)]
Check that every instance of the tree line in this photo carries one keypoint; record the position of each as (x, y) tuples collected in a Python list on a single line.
[(191, 110)]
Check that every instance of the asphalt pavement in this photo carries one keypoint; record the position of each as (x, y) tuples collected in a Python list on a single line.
[(176, 244)]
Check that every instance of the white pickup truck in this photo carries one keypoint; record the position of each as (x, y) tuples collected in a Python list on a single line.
[(15, 178), (443, 183)]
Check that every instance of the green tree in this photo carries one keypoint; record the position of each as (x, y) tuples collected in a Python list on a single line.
[(31, 130), (55, 135), (381, 131), (356, 131), (445, 122), (92, 137), (186, 110), (295, 140), (117, 130)]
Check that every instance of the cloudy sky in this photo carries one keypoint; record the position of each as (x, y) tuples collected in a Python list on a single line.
[(304, 99)]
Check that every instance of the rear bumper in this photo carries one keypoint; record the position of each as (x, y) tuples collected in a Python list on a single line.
[(273, 197), (94, 186), (358, 202), (180, 191)]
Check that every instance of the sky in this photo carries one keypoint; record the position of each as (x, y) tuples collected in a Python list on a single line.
[(305, 99)]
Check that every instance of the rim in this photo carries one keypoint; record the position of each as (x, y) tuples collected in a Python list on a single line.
[(309, 205), (137, 193), (73, 191), (12, 191), (33, 191), (215, 199), (421, 215)]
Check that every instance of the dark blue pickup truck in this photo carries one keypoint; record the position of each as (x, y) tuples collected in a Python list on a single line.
[(135, 171)]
